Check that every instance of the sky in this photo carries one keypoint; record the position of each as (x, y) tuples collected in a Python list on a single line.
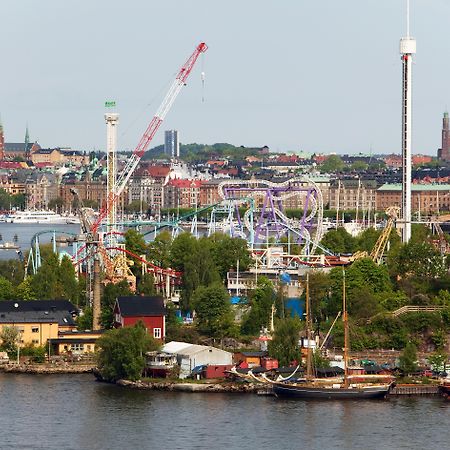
[(313, 75)]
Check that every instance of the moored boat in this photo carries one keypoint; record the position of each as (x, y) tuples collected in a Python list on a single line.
[(345, 388), (29, 216)]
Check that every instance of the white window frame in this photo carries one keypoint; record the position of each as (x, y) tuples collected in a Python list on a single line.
[(157, 334)]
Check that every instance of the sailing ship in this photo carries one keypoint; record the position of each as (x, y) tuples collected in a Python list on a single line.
[(346, 387)]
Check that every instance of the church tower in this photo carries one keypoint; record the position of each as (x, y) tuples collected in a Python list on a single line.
[(27, 142), (2, 142)]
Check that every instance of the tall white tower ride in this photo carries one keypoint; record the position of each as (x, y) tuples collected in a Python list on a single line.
[(407, 50), (112, 119)]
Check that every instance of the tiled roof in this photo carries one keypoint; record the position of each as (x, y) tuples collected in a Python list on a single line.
[(141, 306)]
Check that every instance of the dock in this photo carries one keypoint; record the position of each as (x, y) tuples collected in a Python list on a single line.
[(415, 389)]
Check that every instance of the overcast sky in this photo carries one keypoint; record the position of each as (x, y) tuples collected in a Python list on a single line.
[(312, 75)]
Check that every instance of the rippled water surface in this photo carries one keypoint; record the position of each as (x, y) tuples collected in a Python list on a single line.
[(76, 412)]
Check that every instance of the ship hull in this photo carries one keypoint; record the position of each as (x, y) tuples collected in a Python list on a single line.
[(290, 391)]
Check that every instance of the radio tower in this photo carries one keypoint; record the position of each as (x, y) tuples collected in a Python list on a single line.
[(407, 50)]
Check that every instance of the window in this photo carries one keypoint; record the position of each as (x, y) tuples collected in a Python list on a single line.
[(157, 333), (35, 341), (77, 347), (35, 329)]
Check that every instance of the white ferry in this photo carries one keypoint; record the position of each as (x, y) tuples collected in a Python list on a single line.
[(37, 217)]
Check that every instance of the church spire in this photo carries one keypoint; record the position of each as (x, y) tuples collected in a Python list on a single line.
[(27, 142)]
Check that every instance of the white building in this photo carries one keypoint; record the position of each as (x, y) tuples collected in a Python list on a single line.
[(192, 355)]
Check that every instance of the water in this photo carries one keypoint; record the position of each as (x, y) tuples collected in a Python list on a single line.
[(75, 412), (25, 233)]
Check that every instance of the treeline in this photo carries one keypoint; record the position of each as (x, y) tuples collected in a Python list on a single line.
[(203, 152), (9, 201)]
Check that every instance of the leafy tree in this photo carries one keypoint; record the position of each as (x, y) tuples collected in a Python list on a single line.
[(213, 311), (84, 321), (121, 352), (418, 259), (359, 166), (45, 283), (12, 270), (68, 281), (319, 289), (135, 242), (408, 359), (159, 250), (56, 203), (285, 346), (367, 239), (332, 164), (136, 206), (6, 289), (261, 302), (24, 290), (438, 361), (226, 251), (146, 285), (110, 293), (339, 241), (9, 337)]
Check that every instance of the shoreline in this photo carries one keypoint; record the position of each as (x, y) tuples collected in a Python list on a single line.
[(36, 369)]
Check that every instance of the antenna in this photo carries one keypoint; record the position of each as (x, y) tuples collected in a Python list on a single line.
[(407, 18)]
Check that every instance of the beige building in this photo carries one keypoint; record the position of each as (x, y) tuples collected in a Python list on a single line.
[(426, 199), (57, 156), (353, 194), (39, 320)]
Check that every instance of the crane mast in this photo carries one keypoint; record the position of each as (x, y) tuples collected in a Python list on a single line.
[(149, 133)]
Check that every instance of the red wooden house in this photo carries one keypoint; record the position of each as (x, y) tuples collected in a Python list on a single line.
[(149, 310)]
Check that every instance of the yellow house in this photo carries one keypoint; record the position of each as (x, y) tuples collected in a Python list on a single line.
[(38, 320), (74, 342)]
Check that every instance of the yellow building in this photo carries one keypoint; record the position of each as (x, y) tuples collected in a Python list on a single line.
[(38, 320), (75, 343)]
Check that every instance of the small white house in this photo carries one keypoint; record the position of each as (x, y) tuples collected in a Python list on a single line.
[(192, 355)]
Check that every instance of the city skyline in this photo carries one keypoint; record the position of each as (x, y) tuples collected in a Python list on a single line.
[(272, 77)]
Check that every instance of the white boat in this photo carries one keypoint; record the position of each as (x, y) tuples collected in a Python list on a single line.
[(37, 216)]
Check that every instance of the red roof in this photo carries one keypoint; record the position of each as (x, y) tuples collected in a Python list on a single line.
[(153, 171), (41, 165), (10, 165), (179, 183)]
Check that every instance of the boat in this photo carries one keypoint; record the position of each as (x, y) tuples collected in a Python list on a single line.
[(9, 246), (337, 388), (37, 216)]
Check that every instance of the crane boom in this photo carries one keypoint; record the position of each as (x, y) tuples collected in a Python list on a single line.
[(150, 132)]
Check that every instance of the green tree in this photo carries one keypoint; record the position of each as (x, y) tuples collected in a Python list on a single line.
[(10, 338), (135, 242), (6, 289), (146, 285), (56, 203), (332, 164), (159, 250), (285, 343), (84, 321), (226, 251), (24, 291), (110, 293), (121, 352), (45, 283), (438, 361), (359, 166), (68, 281), (136, 206), (213, 311), (408, 359), (367, 239), (339, 241), (261, 301)]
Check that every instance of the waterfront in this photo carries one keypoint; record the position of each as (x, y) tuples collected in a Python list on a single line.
[(75, 412), (25, 233)]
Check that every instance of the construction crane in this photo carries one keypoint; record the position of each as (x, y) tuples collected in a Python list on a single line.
[(150, 132), (94, 247)]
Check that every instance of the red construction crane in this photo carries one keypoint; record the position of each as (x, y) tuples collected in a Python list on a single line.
[(147, 137)]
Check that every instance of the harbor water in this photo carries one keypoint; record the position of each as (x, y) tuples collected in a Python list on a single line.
[(76, 412), (25, 232)]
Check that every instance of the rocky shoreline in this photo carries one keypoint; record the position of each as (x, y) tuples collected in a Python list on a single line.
[(64, 368), (191, 387)]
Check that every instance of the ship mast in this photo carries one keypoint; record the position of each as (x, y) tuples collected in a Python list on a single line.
[(309, 367), (346, 333)]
